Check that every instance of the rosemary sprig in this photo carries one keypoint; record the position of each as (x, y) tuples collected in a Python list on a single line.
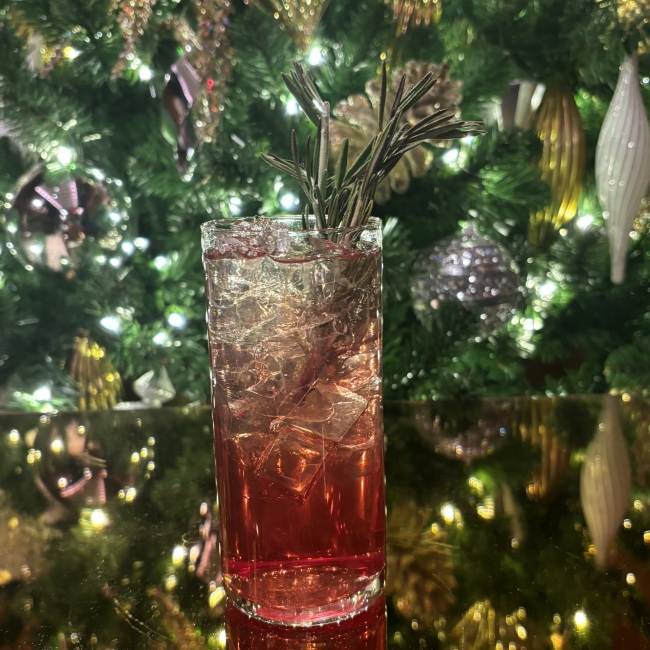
[(345, 199)]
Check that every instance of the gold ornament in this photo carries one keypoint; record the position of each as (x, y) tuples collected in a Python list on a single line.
[(132, 17), (99, 384), (412, 13), (357, 119), (419, 565), (633, 16), (482, 628), (209, 53), (559, 127), (298, 17)]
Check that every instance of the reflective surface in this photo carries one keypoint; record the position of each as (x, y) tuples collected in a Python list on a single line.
[(511, 524)]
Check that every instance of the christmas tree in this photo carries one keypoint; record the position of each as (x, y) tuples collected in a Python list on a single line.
[(127, 123)]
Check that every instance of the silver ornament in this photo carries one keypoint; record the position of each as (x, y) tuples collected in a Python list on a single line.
[(467, 269)]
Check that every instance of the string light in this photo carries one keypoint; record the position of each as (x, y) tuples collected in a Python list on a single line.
[(70, 53), (128, 247), (98, 519), (64, 155), (292, 107), (141, 243), (177, 321), (451, 156), (145, 73), (580, 619), (161, 338), (235, 204), (161, 262), (288, 201), (316, 56), (43, 393), (111, 324), (585, 221)]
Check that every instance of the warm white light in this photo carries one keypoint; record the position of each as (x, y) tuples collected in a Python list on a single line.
[(178, 555), (222, 638), (451, 156), (448, 513), (141, 243), (292, 107), (585, 221), (115, 217), (160, 338), (111, 323), (529, 324), (316, 56), (161, 262), (43, 393), (547, 289), (178, 321), (288, 201), (145, 73), (98, 518), (128, 247), (64, 155), (56, 445), (580, 619), (70, 53), (37, 203), (234, 202)]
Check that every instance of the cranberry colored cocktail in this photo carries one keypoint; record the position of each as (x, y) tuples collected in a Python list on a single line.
[(294, 320)]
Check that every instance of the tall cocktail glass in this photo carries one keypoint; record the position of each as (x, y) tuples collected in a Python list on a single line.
[(294, 325)]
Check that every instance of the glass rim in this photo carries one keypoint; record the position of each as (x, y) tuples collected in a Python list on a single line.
[(214, 225)]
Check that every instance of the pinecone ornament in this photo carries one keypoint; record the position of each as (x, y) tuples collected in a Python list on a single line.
[(419, 565), (357, 120)]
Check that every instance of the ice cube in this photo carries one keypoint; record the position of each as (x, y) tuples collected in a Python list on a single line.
[(360, 373), (248, 448), (328, 411), (363, 434), (270, 378), (293, 461)]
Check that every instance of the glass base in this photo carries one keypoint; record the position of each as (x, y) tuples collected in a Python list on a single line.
[(331, 612)]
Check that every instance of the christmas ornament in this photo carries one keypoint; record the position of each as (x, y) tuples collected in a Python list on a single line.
[(458, 429), (98, 383), (515, 108), (78, 462), (468, 269), (419, 574), (482, 628), (606, 481), (154, 388), (623, 163), (299, 18), (132, 17), (559, 126), (357, 119), (198, 81), (412, 13), (49, 222), (633, 17)]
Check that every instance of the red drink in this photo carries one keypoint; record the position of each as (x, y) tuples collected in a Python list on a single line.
[(295, 339)]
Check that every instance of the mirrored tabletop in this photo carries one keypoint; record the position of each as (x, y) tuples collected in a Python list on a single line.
[(511, 524)]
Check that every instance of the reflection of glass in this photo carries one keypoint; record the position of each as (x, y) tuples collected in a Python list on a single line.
[(366, 631), (295, 339)]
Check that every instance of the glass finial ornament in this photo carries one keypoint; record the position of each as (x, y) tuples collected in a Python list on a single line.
[(155, 388), (623, 163), (468, 269)]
